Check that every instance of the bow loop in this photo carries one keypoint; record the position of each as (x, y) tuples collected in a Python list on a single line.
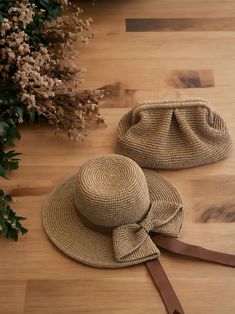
[(132, 242)]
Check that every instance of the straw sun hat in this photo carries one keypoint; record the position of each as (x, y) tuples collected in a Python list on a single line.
[(173, 134), (102, 216)]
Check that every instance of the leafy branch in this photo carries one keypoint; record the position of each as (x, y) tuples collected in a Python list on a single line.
[(10, 223), (8, 159), (12, 112)]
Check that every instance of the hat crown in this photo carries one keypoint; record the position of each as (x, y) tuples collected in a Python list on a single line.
[(111, 190)]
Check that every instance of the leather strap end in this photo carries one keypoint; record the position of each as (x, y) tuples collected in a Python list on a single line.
[(164, 287)]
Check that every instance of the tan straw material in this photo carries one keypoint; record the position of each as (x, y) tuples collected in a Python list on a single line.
[(111, 192), (173, 134)]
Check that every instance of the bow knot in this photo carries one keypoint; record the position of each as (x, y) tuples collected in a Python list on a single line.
[(132, 242)]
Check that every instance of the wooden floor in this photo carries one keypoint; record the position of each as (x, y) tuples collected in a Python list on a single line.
[(187, 49)]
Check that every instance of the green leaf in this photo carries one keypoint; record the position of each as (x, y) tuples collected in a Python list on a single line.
[(3, 172), (45, 3), (13, 131), (9, 141), (19, 111), (12, 216), (2, 206), (12, 165), (23, 230), (15, 159), (52, 8), (18, 224), (7, 198), (8, 210), (32, 115), (20, 218), (12, 153), (11, 121), (4, 226), (3, 128), (12, 233), (54, 12)]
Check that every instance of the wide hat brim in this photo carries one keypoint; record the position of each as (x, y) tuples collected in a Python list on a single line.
[(72, 237)]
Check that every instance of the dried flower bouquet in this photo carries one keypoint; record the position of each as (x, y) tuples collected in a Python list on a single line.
[(39, 79)]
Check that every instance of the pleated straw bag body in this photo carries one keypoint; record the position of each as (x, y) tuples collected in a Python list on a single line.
[(113, 214), (173, 134)]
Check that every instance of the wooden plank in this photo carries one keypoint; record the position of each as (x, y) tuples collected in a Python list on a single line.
[(151, 46), (12, 296), (73, 296), (157, 9), (180, 24)]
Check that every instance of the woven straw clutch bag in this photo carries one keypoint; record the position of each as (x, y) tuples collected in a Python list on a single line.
[(173, 134)]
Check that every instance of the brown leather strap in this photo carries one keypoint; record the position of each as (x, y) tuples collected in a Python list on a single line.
[(179, 247), (164, 287)]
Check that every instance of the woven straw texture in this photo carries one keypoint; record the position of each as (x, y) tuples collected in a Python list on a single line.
[(112, 191), (173, 134)]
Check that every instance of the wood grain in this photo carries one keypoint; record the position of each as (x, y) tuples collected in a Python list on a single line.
[(180, 24), (191, 79), (12, 296), (116, 95), (35, 277), (218, 213), (220, 199), (73, 296)]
